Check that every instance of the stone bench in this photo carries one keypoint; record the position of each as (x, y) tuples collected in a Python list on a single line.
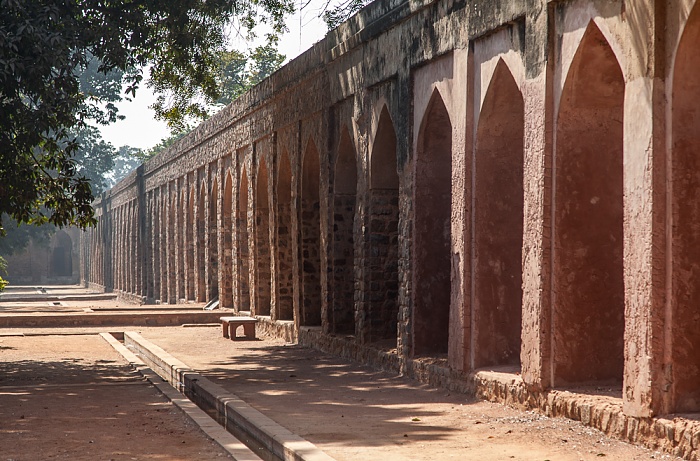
[(230, 324)]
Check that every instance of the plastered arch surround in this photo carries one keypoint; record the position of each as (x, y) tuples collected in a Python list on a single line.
[(685, 15), (490, 50), (447, 75), (374, 123), (572, 30)]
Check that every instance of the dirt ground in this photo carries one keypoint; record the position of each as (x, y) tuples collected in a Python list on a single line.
[(73, 397), (66, 394), (355, 413)]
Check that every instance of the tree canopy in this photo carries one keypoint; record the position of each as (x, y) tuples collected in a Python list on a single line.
[(45, 45), (334, 15), (238, 71)]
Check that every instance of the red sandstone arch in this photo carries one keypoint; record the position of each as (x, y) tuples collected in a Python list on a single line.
[(181, 244), (163, 237), (685, 330), (310, 224), (61, 256), (381, 319), (285, 281), (190, 234), (172, 245), (226, 290), (262, 242), (201, 239), (342, 314), (498, 223), (213, 274), (432, 241), (156, 243), (243, 248), (588, 301)]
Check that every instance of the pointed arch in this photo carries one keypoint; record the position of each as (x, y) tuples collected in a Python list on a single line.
[(588, 291), (171, 219), (310, 225), (285, 280), (432, 230), (181, 242), (262, 241), (190, 243), (156, 243), (213, 243), (380, 321), (201, 243), (342, 314), (498, 223), (686, 214), (226, 288), (243, 244), (383, 170), (61, 257)]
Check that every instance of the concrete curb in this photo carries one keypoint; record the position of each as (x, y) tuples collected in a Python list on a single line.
[(234, 413), (237, 449), (55, 320)]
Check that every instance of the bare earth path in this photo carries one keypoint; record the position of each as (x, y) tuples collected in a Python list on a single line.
[(74, 397), (66, 394), (355, 413)]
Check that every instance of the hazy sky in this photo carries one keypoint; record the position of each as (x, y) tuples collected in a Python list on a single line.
[(139, 129)]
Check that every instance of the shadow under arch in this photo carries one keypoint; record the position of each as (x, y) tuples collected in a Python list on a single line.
[(213, 273), (285, 279), (685, 328), (190, 243), (201, 239), (498, 223), (380, 320), (588, 291), (432, 236), (226, 291), (262, 242), (310, 227), (341, 316), (243, 244)]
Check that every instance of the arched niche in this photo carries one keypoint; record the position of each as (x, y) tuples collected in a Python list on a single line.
[(588, 301), (61, 255), (685, 337), (381, 319), (262, 241), (342, 313), (432, 241), (243, 244), (498, 223), (213, 227), (226, 291), (201, 244), (190, 244), (310, 224), (285, 280)]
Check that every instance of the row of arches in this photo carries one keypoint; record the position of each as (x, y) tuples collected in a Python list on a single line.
[(279, 245)]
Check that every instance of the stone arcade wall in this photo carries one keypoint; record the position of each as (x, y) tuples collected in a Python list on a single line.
[(54, 261), (523, 183)]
